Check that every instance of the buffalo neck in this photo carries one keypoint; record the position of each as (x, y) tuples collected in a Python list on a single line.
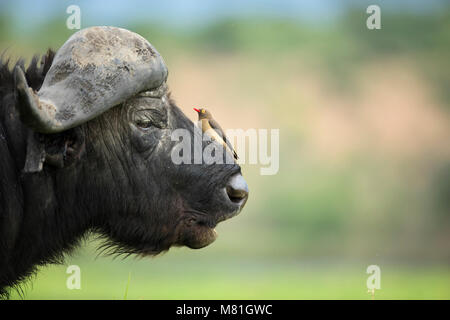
[(47, 223)]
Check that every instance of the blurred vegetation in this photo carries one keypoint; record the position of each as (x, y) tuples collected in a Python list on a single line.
[(340, 46), (198, 278), (311, 230)]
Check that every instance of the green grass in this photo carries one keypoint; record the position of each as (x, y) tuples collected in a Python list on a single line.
[(184, 277), (128, 286)]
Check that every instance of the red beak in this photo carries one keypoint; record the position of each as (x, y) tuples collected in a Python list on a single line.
[(197, 110)]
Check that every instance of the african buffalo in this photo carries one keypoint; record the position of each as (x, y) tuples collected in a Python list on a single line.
[(85, 146)]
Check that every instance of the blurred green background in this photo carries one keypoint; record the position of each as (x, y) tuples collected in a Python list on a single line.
[(364, 125)]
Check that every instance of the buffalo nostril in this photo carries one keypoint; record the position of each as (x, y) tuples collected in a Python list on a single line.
[(237, 189)]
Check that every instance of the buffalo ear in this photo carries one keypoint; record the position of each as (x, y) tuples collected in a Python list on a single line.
[(54, 150), (64, 149)]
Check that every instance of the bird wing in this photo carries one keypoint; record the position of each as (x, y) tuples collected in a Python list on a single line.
[(213, 123)]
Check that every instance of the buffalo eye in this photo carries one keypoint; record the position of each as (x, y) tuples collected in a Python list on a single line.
[(147, 118), (143, 122)]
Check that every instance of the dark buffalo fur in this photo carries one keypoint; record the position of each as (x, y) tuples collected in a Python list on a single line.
[(117, 183)]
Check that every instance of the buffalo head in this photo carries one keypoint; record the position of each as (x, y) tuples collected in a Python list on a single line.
[(101, 124)]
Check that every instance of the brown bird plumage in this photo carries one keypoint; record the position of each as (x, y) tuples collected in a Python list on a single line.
[(207, 122)]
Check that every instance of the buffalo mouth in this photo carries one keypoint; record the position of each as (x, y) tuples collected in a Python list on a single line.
[(198, 231)]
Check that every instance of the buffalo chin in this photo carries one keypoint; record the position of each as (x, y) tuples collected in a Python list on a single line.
[(197, 235)]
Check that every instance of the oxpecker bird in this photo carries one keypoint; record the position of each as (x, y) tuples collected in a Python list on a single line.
[(207, 122)]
